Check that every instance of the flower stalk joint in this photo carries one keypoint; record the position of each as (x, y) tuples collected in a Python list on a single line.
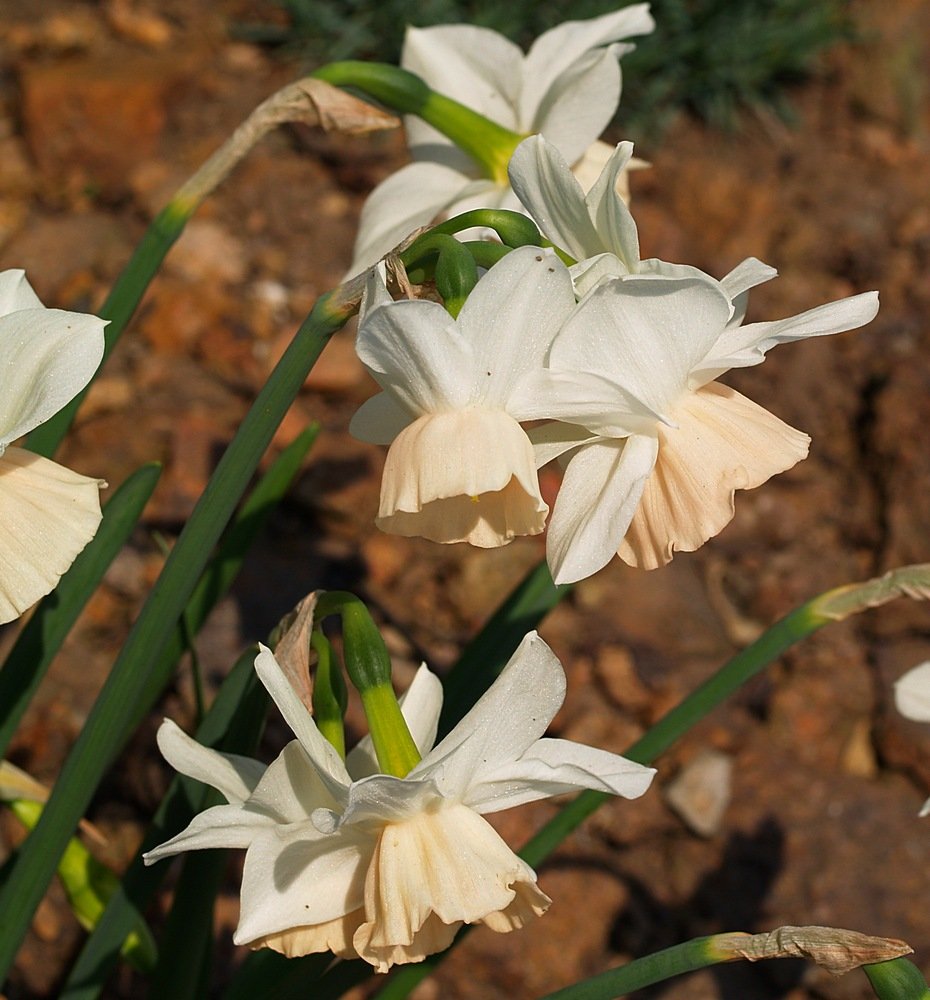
[(490, 145)]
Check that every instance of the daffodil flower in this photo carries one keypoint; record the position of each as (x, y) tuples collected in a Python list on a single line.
[(593, 224), (341, 858), (47, 512), (567, 87), (460, 467), (912, 699), (646, 484)]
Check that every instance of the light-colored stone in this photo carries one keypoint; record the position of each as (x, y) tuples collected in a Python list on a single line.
[(700, 793)]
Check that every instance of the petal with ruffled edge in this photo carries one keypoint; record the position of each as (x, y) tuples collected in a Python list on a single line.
[(47, 356), (912, 693), (645, 333), (600, 492), (451, 866), (502, 725), (511, 319), (47, 515), (412, 197), (723, 442), (420, 706), (744, 346), (462, 476), (328, 764), (552, 767), (233, 775), (334, 935), (295, 876)]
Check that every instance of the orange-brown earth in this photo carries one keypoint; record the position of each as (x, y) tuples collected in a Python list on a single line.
[(105, 109)]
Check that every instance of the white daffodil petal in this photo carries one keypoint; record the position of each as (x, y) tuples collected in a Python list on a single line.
[(744, 346), (229, 826), (746, 275), (292, 788), (584, 399), (416, 351), (16, 293), (580, 103), (295, 876), (449, 864), (379, 798), (615, 225), (420, 706), (597, 500), (645, 333), (47, 356), (503, 723), (552, 767), (47, 515), (511, 319), (233, 775), (552, 440), (475, 66), (462, 476), (412, 197), (548, 190), (558, 49), (322, 754), (912, 693), (723, 442), (379, 420)]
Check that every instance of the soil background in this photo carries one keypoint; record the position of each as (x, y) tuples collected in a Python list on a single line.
[(803, 790)]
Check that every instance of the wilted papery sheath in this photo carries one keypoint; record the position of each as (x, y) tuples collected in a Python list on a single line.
[(342, 858), (460, 467), (47, 512), (567, 87)]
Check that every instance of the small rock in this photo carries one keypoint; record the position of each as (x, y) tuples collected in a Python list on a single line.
[(700, 792)]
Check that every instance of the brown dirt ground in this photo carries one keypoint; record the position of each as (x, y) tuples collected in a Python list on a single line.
[(105, 108)]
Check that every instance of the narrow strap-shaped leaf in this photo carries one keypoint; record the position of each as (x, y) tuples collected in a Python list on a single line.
[(42, 636), (834, 605), (140, 671), (245, 527), (233, 722), (118, 309), (839, 951)]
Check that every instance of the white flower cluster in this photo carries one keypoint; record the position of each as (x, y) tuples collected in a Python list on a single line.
[(618, 356), (609, 364)]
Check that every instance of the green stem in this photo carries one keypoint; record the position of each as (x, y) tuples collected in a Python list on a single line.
[(799, 624), (490, 145)]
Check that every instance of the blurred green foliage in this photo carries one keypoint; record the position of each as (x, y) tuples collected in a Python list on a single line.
[(711, 57)]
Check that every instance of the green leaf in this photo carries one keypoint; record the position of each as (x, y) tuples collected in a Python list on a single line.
[(89, 884), (141, 671), (42, 636), (233, 722), (249, 521)]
